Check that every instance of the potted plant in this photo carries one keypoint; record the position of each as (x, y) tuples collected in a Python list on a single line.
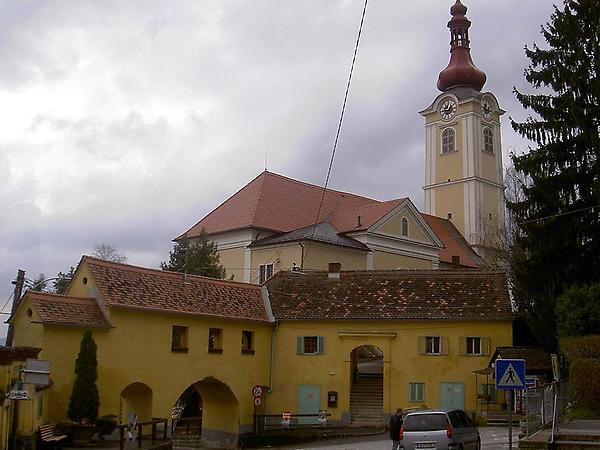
[(84, 401)]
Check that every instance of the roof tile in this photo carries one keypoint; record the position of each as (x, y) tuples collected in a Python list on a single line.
[(55, 309), (390, 295)]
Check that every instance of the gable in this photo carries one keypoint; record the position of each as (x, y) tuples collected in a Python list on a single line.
[(418, 230)]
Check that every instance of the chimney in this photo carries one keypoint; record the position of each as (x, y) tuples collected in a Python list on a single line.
[(455, 261), (334, 271)]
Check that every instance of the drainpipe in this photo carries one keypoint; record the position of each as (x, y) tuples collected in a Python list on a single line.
[(301, 256)]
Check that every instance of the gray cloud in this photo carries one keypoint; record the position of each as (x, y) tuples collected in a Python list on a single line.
[(126, 122)]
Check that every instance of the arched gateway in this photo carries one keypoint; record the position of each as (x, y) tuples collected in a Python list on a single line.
[(205, 414), (366, 392)]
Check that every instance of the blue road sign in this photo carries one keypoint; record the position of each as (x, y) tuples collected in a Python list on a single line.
[(510, 374)]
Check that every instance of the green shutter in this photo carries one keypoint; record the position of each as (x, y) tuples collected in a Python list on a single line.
[(320, 344), (300, 345)]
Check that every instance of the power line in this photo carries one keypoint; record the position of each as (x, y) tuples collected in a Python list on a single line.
[(558, 215), (339, 127)]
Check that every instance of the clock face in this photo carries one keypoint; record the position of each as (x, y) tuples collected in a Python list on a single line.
[(448, 109), (486, 110)]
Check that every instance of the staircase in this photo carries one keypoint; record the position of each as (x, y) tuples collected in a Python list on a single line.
[(366, 401)]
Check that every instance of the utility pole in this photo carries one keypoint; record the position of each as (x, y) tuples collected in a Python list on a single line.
[(18, 282)]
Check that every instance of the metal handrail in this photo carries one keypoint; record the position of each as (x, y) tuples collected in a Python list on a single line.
[(554, 424)]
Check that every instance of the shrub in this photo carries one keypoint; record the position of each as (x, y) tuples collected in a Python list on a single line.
[(585, 381), (580, 347), (85, 401)]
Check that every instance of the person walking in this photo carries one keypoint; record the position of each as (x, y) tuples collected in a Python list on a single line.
[(395, 425)]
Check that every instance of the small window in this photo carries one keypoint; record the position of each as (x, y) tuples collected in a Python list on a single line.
[(433, 345), (248, 342), (416, 392), (179, 339), (215, 340), (404, 230), (448, 141), (475, 345), (310, 345), (265, 272), (488, 140)]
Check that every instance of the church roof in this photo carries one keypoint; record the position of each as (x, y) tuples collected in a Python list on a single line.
[(138, 288), (390, 295), (62, 310), (275, 203), (454, 243)]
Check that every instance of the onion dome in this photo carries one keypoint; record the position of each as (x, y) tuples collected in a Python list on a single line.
[(461, 70)]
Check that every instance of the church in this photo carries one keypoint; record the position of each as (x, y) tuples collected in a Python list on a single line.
[(332, 301)]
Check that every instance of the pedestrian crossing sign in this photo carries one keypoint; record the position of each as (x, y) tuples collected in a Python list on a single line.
[(510, 374)]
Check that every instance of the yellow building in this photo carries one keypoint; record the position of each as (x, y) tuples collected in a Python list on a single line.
[(357, 343)]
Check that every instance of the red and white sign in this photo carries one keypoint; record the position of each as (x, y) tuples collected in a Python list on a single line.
[(257, 401), (257, 391)]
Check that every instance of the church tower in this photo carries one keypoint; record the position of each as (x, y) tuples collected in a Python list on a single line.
[(463, 166)]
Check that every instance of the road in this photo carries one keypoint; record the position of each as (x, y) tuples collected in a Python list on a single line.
[(492, 438)]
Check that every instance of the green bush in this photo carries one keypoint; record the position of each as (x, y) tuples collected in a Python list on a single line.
[(585, 382), (85, 401), (580, 347), (106, 425)]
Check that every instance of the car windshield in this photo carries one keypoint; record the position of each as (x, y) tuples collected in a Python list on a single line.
[(425, 422)]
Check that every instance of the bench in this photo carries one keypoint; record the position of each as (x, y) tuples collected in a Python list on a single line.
[(47, 435)]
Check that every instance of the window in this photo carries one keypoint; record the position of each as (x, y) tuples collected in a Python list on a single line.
[(448, 140), (310, 345), (179, 339), (215, 340), (475, 345), (404, 230), (488, 140), (248, 342), (416, 392), (40, 406), (265, 271), (433, 345)]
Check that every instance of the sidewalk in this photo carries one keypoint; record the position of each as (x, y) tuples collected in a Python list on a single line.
[(570, 432)]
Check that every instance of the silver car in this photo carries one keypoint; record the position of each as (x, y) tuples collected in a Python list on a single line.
[(439, 429)]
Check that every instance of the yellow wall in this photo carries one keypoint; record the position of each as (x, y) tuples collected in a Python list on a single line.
[(394, 227), (318, 256), (449, 166), (489, 166), (233, 260), (450, 199), (385, 261), (281, 256), (402, 363)]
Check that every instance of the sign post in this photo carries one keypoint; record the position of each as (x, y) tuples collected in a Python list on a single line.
[(510, 376)]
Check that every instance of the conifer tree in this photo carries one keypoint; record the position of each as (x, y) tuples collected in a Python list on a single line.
[(199, 257), (85, 401), (558, 236)]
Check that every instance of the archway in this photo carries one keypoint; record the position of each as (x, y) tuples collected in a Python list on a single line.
[(136, 403), (206, 413), (366, 392)]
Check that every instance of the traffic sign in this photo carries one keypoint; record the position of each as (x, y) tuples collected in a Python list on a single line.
[(257, 401), (510, 374), (257, 391)]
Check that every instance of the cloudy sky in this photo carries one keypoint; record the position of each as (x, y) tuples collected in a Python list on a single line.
[(125, 122)]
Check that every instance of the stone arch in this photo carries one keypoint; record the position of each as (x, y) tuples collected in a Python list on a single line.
[(217, 409), (136, 400)]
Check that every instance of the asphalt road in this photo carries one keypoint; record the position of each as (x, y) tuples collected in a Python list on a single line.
[(492, 438)]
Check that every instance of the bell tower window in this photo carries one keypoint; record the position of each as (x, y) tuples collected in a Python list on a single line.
[(404, 227), (448, 141), (488, 140)]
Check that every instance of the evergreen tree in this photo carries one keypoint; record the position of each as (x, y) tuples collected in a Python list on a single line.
[(62, 281), (199, 257), (85, 401), (558, 236)]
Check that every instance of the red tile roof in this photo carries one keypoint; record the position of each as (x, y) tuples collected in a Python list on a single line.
[(55, 309), (132, 287), (277, 203), (454, 243), (390, 295)]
